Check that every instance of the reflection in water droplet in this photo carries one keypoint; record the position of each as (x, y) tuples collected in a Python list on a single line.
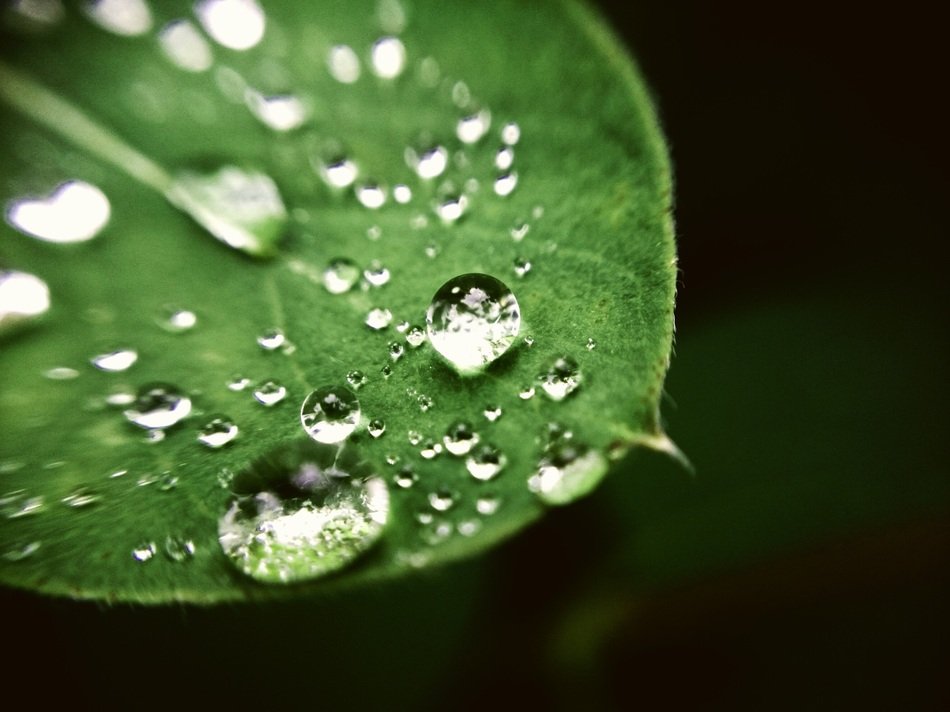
[(378, 318), (144, 551), (300, 513), (179, 320), (472, 320), (522, 266), (179, 549), (471, 128), (442, 500), (487, 505), (562, 378), (340, 275), (356, 379), (388, 57), (242, 209), (402, 193), (218, 432), (270, 393), (343, 64), (428, 163), (371, 195), (115, 361), (280, 112), (79, 498), (460, 438), (485, 462), (339, 172), (510, 133), (235, 24), (272, 339), (376, 275), (20, 551), (185, 46), (505, 183), (158, 406), (330, 414), (74, 212), (376, 428), (128, 18), (23, 297)]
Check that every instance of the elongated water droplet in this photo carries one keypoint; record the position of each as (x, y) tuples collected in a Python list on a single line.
[(238, 383), (388, 57), (472, 320), (218, 432), (115, 361), (270, 393), (61, 373), (340, 275), (18, 503), (460, 438), (471, 128), (330, 414), (302, 512), (504, 158), (567, 472), (519, 230), (344, 64), (185, 46), (485, 462), (75, 212), (561, 379), (39, 14), (158, 406), (23, 297), (235, 24), (128, 18)]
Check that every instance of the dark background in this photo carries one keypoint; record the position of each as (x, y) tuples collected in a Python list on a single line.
[(804, 566)]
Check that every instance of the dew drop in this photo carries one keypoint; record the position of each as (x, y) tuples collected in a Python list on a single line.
[(510, 133), (415, 336), (80, 498), (180, 320), (20, 551), (344, 64), (238, 383), (115, 361), (378, 318), (23, 297), (471, 128), (425, 402), (468, 527), (340, 275), (504, 158), (356, 379), (235, 24), (158, 406), (376, 428), (431, 251), (272, 339), (451, 206), (526, 393), (154, 436), (128, 18), (168, 482), (561, 379), (61, 373), (485, 462), (280, 112), (402, 193), (472, 320), (75, 212), (339, 172), (330, 414), (270, 393), (529, 341), (374, 232), (519, 231), (301, 513), (505, 183), (442, 500), (179, 549), (459, 439), (185, 46), (405, 478), (376, 275), (591, 344), (218, 432), (492, 413), (388, 57), (386, 371), (522, 267), (18, 503), (144, 551), (428, 163), (396, 350), (487, 505), (414, 437), (567, 472), (461, 95), (371, 195)]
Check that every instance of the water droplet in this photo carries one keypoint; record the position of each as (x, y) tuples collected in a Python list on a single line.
[(344, 64), (378, 318), (425, 402), (519, 230), (146, 480), (468, 527), (405, 478), (340, 275), (115, 361), (235, 24), (158, 406), (81, 497), (154, 436), (472, 320), (74, 212), (339, 172), (61, 373), (526, 393), (414, 437), (487, 505), (451, 206), (218, 432), (537, 211), (120, 398), (185, 46), (510, 133), (386, 371), (415, 336), (330, 414), (44, 13), (18, 503), (128, 18), (522, 267), (485, 462), (272, 339), (20, 551), (505, 183), (179, 549), (356, 379), (238, 383), (396, 350), (492, 413), (418, 221), (461, 95), (242, 209), (430, 450), (374, 232), (376, 274), (529, 341), (376, 428), (179, 320), (591, 344), (442, 500), (279, 112), (391, 15), (471, 128), (168, 482), (431, 251), (436, 532), (562, 378), (118, 473), (144, 551), (428, 163), (371, 195), (301, 513), (504, 158), (388, 57), (23, 297), (402, 193), (566, 472), (459, 439), (270, 393)]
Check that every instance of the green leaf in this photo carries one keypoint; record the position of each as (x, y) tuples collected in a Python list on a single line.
[(183, 159)]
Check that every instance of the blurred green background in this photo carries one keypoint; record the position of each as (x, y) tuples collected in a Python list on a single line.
[(803, 566)]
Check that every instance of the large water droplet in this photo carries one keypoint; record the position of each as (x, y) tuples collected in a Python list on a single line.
[(344, 64), (115, 361), (242, 209), (388, 57), (74, 212), (128, 18), (301, 513), (23, 297), (158, 406), (485, 462), (185, 46), (218, 432), (472, 320), (561, 379), (235, 24), (330, 414)]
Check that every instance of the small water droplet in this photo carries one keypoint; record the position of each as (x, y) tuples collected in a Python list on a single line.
[(510, 133), (279, 112), (591, 344), (431, 251), (235, 24), (344, 64), (468, 527), (144, 551), (487, 505), (146, 480), (127, 18), (44, 13), (61, 373), (218, 432), (20, 551), (118, 473), (425, 402), (566, 472), (376, 428), (405, 478), (396, 350), (442, 500), (460, 438), (371, 195), (471, 128), (374, 232), (80, 498), (430, 450), (436, 532), (168, 482), (378, 318), (179, 549), (526, 393), (402, 193), (461, 95), (18, 503), (238, 383), (504, 158), (272, 339), (158, 406), (429, 162), (120, 398), (537, 211), (340, 275), (424, 516), (185, 46), (154, 436), (472, 320), (388, 57), (376, 275), (451, 206), (356, 379), (74, 212), (415, 336), (529, 341), (492, 413), (386, 371), (561, 379), (338, 172), (23, 297), (519, 230), (506, 183), (414, 437), (115, 361), (522, 266), (270, 393), (330, 414), (485, 462), (179, 320), (300, 513), (392, 459)]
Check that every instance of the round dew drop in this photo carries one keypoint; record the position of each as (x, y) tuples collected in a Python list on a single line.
[(329, 415), (158, 406)]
